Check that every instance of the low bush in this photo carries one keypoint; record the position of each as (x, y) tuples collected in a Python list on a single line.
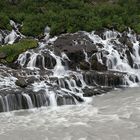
[(70, 15), (12, 51)]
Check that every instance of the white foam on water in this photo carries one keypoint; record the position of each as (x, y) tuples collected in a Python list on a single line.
[(65, 80), (86, 56), (6, 82), (114, 60), (79, 122), (37, 86), (10, 39), (32, 63), (59, 69)]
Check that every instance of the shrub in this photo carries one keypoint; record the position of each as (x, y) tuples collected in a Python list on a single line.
[(12, 51), (70, 15)]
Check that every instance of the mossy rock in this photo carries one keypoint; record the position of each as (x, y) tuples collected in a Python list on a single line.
[(84, 65), (13, 51), (95, 65)]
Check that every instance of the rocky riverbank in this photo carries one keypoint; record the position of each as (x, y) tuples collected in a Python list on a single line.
[(69, 68)]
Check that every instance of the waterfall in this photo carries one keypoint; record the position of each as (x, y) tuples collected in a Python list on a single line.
[(70, 68), (52, 99), (29, 101)]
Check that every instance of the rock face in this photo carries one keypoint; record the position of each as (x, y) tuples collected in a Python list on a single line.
[(75, 46), (21, 83), (69, 68)]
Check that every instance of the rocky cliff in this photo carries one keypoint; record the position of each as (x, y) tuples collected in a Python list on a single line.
[(70, 68)]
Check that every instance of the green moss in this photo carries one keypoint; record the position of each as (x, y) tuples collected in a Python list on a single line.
[(70, 15), (12, 51)]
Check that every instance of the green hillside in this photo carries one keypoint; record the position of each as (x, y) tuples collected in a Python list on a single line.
[(70, 15)]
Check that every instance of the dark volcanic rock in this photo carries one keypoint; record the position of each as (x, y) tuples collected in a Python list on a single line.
[(21, 82), (65, 100), (100, 33), (130, 60), (96, 65), (125, 41), (84, 65), (74, 46), (89, 92), (31, 80), (82, 58), (110, 79), (50, 62), (72, 43)]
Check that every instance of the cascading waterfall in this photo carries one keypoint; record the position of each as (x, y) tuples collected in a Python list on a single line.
[(29, 101), (117, 58), (70, 68)]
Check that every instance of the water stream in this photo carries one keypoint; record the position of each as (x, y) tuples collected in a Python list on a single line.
[(113, 116)]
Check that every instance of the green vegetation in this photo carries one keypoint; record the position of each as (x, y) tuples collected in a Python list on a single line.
[(12, 51), (70, 15)]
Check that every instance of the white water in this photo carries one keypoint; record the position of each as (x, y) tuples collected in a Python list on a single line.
[(52, 98), (114, 116), (29, 101), (56, 77), (114, 60), (13, 35)]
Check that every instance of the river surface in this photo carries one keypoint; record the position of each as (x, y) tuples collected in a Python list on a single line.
[(113, 116)]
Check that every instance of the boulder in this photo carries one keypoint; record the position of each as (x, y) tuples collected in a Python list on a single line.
[(100, 33), (89, 92), (130, 60), (108, 78), (126, 41), (95, 65), (84, 65), (74, 46), (3, 55), (21, 82), (74, 43)]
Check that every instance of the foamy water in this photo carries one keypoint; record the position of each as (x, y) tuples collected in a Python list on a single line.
[(114, 116)]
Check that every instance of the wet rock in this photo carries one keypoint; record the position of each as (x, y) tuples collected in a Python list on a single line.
[(99, 65), (110, 79), (14, 65), (99, 45), (84, 66), (100, 33), (130, 60), (74, 45), (21, 82), (1, 104), (75, 58), (39, 62), (95, 65), (65, 100), (50, 62), (89, 92), (3, 55), (78, 98), (31, 80), (24, 102), (125, 41), (74, 42)]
